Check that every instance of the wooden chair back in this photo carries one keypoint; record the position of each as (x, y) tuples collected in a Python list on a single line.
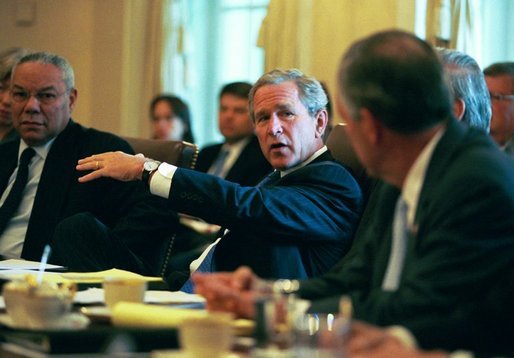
[(179, 153)]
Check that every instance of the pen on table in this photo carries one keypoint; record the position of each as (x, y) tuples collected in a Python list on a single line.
[(42, 265)]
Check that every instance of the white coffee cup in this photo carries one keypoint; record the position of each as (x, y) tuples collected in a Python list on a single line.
[(209, 336), (122, 289)]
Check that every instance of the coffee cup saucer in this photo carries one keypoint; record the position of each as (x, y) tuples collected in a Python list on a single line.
[(70, 321)]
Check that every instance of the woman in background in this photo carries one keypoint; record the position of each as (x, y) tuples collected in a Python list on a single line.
[(8, 59), (170, 118)]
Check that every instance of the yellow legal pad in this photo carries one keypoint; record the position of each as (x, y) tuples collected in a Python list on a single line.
[(99, 276), (127, 314)]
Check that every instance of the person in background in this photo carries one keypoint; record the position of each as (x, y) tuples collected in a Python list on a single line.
[(7, 61), (500, 81), (170, 118), (436, 253), (239, 158), (91, 227), (297, 222), (468, 89)]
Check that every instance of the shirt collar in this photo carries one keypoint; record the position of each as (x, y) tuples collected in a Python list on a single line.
[(416, 176), (41, 150), (305, 162), (239, 145), (509, 146)]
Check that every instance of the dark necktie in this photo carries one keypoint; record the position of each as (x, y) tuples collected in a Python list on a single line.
[(207, 265), (12, 202), (219, 163)]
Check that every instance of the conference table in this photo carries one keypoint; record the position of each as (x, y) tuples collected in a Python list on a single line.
[(97, 335), (149, 329)]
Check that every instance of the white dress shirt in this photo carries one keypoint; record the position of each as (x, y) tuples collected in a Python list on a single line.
[(416, 177), (11, 241)]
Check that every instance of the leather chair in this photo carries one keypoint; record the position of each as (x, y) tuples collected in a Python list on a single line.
[(179, 153), (339, 145)]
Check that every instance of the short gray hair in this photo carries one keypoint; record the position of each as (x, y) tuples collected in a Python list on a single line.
[(466, 81), (55, 60), (310, 91)]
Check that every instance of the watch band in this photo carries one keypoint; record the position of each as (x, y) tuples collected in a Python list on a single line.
[(149, 168)]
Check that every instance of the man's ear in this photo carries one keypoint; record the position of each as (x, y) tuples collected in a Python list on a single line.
[(73, 98), (372, 127), (321, 122), (459, 107)]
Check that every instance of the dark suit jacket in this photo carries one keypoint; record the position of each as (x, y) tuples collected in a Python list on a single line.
[(249, 168), (128, 208), (297, 228), (12, 134), (454, 289)]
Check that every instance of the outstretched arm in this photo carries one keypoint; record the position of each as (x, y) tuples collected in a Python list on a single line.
[(116, 165)]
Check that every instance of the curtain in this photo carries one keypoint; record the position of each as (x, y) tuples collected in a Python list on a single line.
[(455, 24), (152, 83), (287, 24), (154, 44), (175, 75)]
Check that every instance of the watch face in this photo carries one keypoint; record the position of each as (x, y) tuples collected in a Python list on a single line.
[(151, 165)]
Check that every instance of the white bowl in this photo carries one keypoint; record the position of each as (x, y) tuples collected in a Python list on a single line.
[(37, 306)]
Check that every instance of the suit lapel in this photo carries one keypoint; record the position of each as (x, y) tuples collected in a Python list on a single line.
[(9, 161), (56, 180), (243, 163), (442, 155), (207, 157)]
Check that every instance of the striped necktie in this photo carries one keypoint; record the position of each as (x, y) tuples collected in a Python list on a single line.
[(13, 200), (219, 163)]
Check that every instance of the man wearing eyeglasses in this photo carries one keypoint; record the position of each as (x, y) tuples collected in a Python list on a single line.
[(43, 96), (500, 81)]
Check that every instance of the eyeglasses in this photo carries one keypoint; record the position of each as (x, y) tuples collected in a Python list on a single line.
[(45, 97), (501, 97)]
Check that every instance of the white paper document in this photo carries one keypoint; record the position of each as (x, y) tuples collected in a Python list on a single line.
[(16, 264), (96, 295)]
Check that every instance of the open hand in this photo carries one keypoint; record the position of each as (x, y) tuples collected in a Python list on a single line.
[(116, 165)]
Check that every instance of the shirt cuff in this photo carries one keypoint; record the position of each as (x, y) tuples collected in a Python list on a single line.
[(461, 354), (403, 335), (160, 183)]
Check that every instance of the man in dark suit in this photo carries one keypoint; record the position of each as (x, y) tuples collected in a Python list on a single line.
[(239, 159), (435, 249), (43, 97), (296, 228)]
